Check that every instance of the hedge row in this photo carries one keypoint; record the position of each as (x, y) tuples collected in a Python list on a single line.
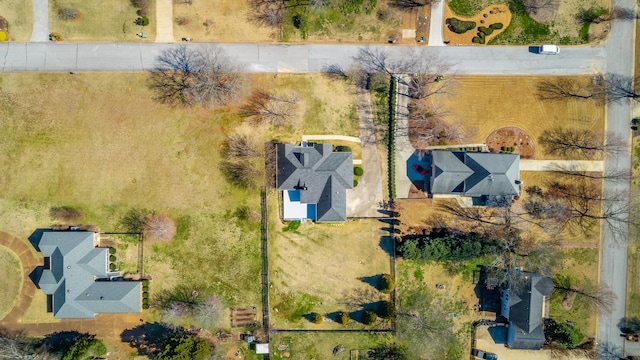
[(392, 135), (507, 149)]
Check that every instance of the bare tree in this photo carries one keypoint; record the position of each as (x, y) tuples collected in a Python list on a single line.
[(186, 76), (159, 227), (580, 143), (241, 146), (15, 346), (264, 105), (577, 171), (208, 312), (621, 87), (598, 297), (563, 88), (240, 172)]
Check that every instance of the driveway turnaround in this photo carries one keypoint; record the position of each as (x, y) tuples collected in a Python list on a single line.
[(28, 261), (40, 31)]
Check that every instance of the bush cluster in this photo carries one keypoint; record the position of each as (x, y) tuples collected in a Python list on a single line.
[(496, 26), (392, 135), (142, 21), (460, 26), (342, 148), (386, 310), (507, 149), (485, 30), (316, 318), (112, 251), (343, 317), (357, 172), (386, 283), (369, 317), (447, 246)]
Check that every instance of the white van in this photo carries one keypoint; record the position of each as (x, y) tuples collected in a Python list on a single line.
[(549, 50)]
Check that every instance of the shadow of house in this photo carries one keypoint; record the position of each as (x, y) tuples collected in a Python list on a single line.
[(73, 277)]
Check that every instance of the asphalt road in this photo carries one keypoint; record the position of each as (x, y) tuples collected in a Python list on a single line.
[(295, 58), (613, 253)]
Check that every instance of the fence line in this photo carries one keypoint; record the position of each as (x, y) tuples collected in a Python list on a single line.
[(264, 274)]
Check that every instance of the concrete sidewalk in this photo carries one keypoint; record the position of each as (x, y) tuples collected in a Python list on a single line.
[(164, 21), (331, 137), (435, 27), (40, 31)]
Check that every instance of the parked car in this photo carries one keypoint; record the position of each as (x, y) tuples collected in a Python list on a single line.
[(420, 169), (548, 50), (484, 355)]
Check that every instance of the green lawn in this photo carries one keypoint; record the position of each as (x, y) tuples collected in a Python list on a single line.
[(100, 21), (633, 259), (305, 346)]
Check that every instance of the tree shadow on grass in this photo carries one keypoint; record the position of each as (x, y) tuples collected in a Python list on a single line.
[(61, 342), (386, 244), (149, 338), (371, 280)]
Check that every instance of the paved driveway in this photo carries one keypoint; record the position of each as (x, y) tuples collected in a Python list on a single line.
[(365, 199)]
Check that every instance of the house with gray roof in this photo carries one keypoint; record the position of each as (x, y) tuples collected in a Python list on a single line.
[(77, 280), (523, 308), (479, 175), (314, 181)]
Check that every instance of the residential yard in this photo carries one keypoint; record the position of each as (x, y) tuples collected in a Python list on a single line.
[(633, 259), (100, 21), (480, 105), (562, 26), (19, 15), (324, 268), (11, 280), (305, 346), (228, 20)]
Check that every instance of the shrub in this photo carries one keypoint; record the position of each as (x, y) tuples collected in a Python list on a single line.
[(342, 148), (355, 183), (396, 214), (182, 20), (316, 318), (145, 282), (386, 283), (485, 30), (477, 40), (343, 317), (369, 317), (112, 258), (68, 14), (112, 267), (140, 3), (143, 12), (397, 231), (397, 222), (4, 24), (112, 251), (496, 26), (142, 21), (459, 26), (145, 301), (145, 294), (145, 288), (292, 226), (358, 171), (386, 310), (564, 334), (145, 306)]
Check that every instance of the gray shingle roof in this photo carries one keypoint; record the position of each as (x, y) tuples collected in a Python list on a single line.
[(75, 265), (525, 311), (475, 174), (321, 175)]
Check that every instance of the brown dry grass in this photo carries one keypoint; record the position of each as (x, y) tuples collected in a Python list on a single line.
[(19, 14), (325, 262), (10, 281), (565, 22), (101, 21), (483, 104), (501, 15)]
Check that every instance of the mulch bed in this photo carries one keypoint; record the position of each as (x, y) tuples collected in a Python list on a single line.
[(512, 137), (243, 316)]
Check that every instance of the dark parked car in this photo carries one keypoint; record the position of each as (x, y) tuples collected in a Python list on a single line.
[(419, 169), (484, 355)]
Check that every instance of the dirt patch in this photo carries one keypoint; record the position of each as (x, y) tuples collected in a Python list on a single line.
[(541, 10), (508, 137), (490, 15), (243, 316)]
